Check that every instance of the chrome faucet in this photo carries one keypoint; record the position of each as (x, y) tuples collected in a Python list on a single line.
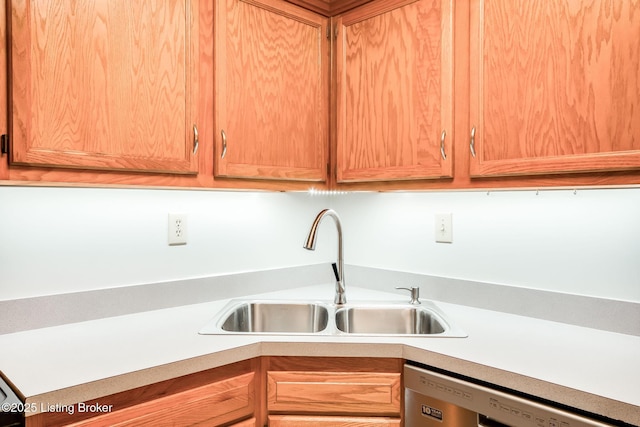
[(310, 244)]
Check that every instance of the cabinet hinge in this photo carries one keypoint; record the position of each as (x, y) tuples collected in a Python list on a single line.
[(4, 144), (329, 32)]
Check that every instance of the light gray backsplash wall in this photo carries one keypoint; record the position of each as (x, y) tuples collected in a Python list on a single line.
[(584, 242), (599, 313), (51, 310), (63, 240)]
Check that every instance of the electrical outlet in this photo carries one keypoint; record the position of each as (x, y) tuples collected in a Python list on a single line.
[(177, 229), (444, 228)]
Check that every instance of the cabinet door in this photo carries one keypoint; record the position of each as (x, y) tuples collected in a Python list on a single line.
[(317, 421), (103, 84), (246, 423), (213, 404), (271, 91), (555, 86), (394, 91)]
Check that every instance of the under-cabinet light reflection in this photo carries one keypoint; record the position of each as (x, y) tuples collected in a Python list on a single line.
[(315, 192)]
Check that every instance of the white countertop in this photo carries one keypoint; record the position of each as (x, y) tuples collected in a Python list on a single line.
[(593, 370)]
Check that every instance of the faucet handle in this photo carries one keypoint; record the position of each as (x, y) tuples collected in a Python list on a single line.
[(335, 272), (415, 294)]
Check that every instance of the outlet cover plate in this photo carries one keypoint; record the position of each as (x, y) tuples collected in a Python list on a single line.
[(177, 229)]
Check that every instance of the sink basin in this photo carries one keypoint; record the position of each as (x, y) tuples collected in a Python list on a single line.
[(295, 317), (385, 320), (276, 317)]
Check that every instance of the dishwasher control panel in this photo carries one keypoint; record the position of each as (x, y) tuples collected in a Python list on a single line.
[(508, 409)]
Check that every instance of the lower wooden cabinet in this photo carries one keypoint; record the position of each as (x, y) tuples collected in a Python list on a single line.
[(264, 391), (212, 404), (322, 392), (215, 397), (325, 421), (252, 422)]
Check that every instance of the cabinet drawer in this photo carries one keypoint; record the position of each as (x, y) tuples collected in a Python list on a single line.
[(334, 392), (211, 404)]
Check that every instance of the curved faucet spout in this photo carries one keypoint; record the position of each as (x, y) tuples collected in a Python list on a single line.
[(310, 244)]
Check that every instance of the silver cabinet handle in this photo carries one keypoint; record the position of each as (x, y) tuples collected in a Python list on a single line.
[(224, 144), (472, 144), (196, 139), (444, 155)]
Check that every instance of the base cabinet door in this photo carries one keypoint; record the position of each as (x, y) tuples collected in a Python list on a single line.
[(209, 405), (215, 397), (252, 422), (324, 421)]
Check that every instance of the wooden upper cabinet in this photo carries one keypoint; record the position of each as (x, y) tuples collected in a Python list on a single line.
[(271, 91), (555, 86), (103, 84), (394, 63)]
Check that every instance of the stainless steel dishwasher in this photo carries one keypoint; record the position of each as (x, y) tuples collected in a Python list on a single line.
[(435, 399), (11, 407)]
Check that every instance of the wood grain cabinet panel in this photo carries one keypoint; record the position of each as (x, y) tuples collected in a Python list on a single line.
[(104, 84), (555, 86), (319, 421), (219, 396), (334, 392), (252, 422), (394, 62), (271, 83), (209, 405)]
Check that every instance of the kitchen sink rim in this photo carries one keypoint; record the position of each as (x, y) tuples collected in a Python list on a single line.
[(214, 326)]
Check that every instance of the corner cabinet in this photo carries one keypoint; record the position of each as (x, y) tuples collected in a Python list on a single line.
[(271, 91), (104, 85), (212, 404), (221, 396), (555, 86), (394, 62)]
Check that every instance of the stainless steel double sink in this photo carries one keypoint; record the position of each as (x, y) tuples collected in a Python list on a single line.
[(290, 317)]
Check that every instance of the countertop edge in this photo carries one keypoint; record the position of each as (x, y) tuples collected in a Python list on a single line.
[(94, 390)]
